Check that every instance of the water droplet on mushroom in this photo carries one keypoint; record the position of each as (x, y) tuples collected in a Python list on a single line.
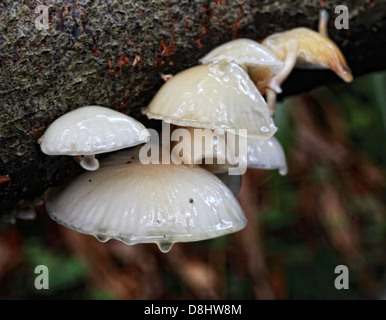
[(165, 247), (283, 171), (102, 238), (264, 129)]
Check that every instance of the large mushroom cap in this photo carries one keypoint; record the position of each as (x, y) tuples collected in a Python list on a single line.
[(257, 60), (92, 130), (214, 96), (138, 203)]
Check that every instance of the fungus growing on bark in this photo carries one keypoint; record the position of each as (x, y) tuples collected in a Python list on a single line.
[(214, 96), (257, 60), (305, 48), (91, 130)]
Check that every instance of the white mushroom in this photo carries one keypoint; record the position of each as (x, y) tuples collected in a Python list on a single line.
[(154, 203), (214, 96), (127, 156), (266, 154), (257, 60), (202, 146), (305, 48), (91, 130)]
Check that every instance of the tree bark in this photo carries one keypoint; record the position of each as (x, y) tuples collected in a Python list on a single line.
[(113, 53)]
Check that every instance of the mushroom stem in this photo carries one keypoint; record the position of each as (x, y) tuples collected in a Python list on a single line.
[(323, 19), (271, 100), (289, 63), (88, 162)]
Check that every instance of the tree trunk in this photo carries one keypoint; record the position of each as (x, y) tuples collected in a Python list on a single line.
[(113, 53)]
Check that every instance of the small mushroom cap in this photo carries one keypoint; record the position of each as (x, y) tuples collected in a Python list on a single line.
[(244, 52), (257, 60), (92, 130), (154, 203), (314, 49), (214, 96), (266, 154)]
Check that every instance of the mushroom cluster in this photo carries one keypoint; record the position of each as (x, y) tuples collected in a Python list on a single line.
[(220, 101)]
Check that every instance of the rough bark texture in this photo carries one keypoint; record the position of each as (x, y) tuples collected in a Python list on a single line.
[(113, 53)]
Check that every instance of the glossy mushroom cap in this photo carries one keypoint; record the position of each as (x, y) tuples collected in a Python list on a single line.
[(266, 154), (154, 203), (214, 96), (313, 50), (233, 182), (92, 130), (257, 60)]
